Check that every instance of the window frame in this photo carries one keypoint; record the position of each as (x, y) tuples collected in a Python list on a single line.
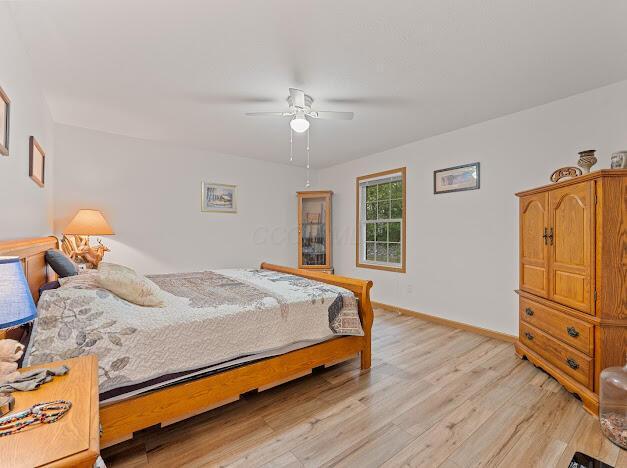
[(360, 233)]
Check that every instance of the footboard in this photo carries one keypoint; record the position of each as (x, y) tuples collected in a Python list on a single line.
[(361, 289)]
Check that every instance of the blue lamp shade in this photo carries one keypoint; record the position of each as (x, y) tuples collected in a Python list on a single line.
[(16, 302)]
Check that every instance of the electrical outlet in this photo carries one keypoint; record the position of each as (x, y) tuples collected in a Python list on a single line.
[(410, 289)]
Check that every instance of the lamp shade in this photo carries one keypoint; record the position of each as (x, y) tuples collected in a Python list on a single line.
[(88, 223), (16, 303)]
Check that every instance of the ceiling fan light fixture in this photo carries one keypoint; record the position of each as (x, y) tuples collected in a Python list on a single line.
[(299, 123), (299, 109)]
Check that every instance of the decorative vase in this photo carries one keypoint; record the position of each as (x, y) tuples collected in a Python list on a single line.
[(587, 159)]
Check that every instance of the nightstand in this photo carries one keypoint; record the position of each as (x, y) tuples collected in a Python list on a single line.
[(73, 440)]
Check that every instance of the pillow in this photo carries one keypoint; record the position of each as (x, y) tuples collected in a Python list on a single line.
[(48, 286), (60, 263), (124, 282)]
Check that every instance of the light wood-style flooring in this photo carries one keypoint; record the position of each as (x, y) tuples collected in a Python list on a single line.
[(435, 396)]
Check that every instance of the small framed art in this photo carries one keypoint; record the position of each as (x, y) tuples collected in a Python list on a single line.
[(219, 198), (5, 115), (619, 160), (37, 162), (456, 179)]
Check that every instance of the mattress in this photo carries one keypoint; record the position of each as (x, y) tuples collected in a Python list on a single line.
[(212, 320)]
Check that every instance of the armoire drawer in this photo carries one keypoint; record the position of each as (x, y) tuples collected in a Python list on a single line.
[(572, 331), (568, 360)]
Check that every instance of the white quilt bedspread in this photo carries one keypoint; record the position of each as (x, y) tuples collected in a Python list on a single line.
[(210, 317)]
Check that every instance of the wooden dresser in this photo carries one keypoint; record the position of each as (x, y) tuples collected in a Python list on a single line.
[(573, 279)]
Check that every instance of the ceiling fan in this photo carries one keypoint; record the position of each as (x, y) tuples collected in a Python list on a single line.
[(300, 108)]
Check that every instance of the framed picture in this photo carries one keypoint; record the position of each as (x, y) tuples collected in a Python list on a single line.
[(5, 114), (219, 198), (456, 179), (619, 160), (37, 164)]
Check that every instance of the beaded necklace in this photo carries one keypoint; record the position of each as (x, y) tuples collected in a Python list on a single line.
[(41, 413)]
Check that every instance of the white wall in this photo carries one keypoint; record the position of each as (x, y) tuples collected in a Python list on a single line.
[(462, 248), (25, 208), (150, 193)]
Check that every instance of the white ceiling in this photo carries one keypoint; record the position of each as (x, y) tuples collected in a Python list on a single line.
[(186, 71)]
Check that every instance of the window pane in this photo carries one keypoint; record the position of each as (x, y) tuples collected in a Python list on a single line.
[(394, 252), (382, 232), (384, 191), (384, 210), (396, 211), (370, 251), (370, 231), (371, 193), (380, 216), (397, 189), (382, 252), (395, 232), (371, 211)]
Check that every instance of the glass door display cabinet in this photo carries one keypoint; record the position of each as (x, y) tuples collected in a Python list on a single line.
[(314, 230)]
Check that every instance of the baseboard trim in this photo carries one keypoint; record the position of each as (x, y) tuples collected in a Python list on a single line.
[(446, 322)]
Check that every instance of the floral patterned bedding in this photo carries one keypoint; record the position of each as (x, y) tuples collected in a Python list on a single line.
[(210, 317)]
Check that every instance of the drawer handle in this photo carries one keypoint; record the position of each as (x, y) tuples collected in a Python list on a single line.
[(572, 363), (529, 311), (529, 336), (572, 331)]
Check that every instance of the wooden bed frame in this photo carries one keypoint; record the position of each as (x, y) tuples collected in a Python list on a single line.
[(120, 419)]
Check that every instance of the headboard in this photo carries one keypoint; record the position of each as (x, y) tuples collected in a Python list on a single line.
[(31, 253)]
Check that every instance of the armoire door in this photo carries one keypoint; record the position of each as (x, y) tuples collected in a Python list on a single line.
[(534, 253), (571, 211)]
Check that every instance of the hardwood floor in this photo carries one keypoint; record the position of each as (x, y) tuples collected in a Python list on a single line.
[(435, 396)]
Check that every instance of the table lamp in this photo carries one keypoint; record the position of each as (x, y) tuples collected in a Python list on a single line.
[(75, 241), (16, 302), (16, 308)]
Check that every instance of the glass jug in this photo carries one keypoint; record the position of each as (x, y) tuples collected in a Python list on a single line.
[(613, 404)]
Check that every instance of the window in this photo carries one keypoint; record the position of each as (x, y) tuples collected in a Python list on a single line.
[(381, 220)]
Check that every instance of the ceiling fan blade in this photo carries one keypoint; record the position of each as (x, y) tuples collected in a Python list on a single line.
[(388, 101), (232, 99), (331, 115), (298, 97), (268, 114)]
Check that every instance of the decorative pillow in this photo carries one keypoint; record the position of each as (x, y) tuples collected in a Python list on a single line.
[(48, 286), (124, 282), (60, 263)]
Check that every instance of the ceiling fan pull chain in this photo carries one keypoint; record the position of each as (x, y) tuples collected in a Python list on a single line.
[(308, 183), (291, 145)]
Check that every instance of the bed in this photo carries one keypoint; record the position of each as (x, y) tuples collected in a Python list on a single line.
[(317, 319)]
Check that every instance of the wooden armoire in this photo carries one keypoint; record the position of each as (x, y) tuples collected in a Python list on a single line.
[(573, 279)]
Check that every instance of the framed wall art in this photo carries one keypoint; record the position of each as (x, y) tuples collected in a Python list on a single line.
[(456, 179), (5, 115), (219, 198), (37, 162), (619, 160)]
